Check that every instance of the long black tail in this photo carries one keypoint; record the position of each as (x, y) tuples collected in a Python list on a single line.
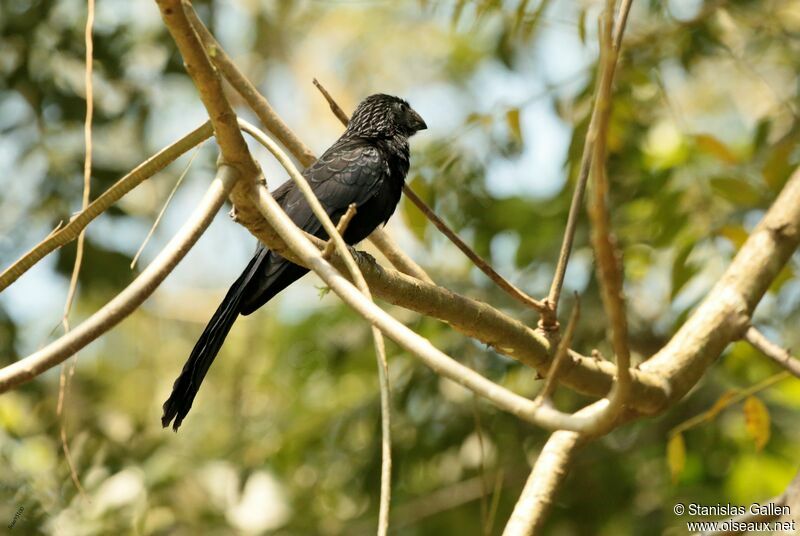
[(205, 350)]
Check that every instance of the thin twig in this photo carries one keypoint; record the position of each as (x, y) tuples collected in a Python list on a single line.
[(606, 77), (335, 108), (134, 294), (73, 473), (484, 266), (779, 355), (358, 278), (87, 160), (396, 256), (341, 227), (562, 351), (476, 259), (64, 379), (608, 262), (728, 400), (163, 209), (64, 235)]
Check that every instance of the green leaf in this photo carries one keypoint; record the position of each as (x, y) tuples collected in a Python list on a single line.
[(735, 233), (512, 119), (757, 422), (779, 166), (710, 145), (582, 26), (676, 456), (682, 271), (739, 192)]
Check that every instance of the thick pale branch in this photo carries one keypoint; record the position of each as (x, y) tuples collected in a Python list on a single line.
[(779, 355), (70, 232), (129, 299), (209, 86), (537, 496)]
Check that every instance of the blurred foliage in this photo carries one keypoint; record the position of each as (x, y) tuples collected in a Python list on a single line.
[(285, 434)]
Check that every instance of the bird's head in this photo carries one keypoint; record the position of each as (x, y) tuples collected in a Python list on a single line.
[(384, 116)]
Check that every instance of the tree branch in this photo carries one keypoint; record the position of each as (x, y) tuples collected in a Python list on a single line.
[(129, 299), (561, 353), (70, 232), (310, 256), (341, 227), (779, 355), (223, 118), (257, 102), (607, 255), (537, 496)]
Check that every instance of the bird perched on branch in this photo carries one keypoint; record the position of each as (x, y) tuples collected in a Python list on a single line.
[(366, 166)]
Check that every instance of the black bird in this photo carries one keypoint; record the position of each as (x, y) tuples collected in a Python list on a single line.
[(367, 166)]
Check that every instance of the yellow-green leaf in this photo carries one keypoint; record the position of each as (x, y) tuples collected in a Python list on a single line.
[(712, 146), (756, 419), (512, 118), (735, 233), (737, 191), (676, 456)]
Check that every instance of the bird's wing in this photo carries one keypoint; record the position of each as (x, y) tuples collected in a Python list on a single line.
[(349, 172)]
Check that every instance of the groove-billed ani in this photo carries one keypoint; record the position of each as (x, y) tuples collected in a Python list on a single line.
[(366, 166)]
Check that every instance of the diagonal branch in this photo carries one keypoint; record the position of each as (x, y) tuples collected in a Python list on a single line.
[(209, 86), (70, 232), (779, 355), (562, 351), (724, 314), (310, 256), (223, 118), (129, 299), (548, 472)]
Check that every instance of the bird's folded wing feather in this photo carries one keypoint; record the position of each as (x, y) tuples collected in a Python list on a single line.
[(351, 171)]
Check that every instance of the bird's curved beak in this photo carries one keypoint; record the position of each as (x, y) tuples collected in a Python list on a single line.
[(416, 122)]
